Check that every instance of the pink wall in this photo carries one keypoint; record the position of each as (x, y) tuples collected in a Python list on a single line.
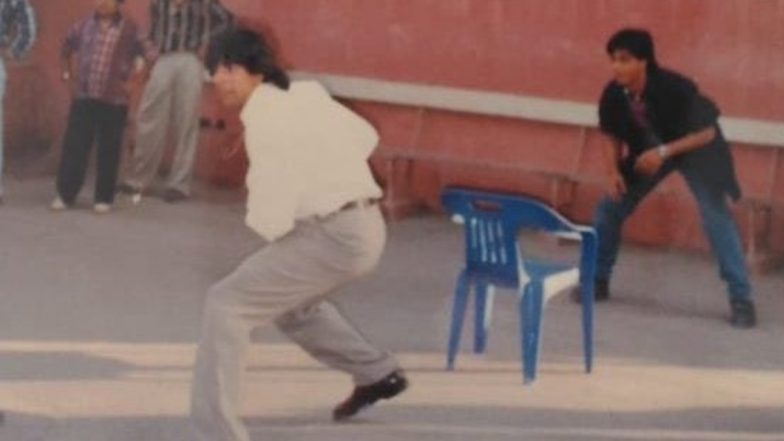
[(547, 48), (550, 48), (553, 49)]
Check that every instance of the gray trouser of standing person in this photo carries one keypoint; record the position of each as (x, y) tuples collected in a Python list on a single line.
[(3, 80), (287, 282), (170, 104)]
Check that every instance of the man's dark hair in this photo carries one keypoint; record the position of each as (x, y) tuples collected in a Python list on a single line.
[(250, 50), (637, 42)]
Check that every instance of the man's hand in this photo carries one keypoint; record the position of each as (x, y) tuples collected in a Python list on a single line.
[(69, 78), (141, 72), (136, 82), (649, 163), (616, 186)]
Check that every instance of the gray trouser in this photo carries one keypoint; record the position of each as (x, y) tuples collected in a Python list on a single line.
[(3, 79), (287, 282), (170, 104)]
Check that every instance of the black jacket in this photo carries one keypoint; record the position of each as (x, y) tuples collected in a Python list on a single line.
[(674, 108)]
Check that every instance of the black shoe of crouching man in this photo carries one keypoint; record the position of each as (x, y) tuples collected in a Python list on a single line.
[(365, 396)]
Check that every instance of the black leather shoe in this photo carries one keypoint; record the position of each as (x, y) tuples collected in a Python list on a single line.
[(173, 196), (601, 291), (365, 396), (744, 315), (127, 189)]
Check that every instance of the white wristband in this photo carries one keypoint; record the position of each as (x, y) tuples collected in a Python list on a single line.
[(663, 150)]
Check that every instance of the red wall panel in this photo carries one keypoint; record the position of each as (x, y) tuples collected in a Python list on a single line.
[(551, 48)]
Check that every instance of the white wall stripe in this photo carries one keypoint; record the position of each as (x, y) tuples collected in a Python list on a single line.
[(743, 130)]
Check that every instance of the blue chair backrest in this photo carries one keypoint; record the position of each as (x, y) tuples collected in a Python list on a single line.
[(492, 223)]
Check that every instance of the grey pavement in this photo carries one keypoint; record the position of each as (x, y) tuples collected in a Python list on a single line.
[(100, 315)]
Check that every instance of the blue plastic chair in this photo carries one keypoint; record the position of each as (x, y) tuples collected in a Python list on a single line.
[(492, 224)]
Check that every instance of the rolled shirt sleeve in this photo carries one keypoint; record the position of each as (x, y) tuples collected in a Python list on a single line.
[(702, 113), (609, 112)]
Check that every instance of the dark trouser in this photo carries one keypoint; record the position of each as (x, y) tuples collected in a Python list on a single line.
[(717, 223), (91, 121)]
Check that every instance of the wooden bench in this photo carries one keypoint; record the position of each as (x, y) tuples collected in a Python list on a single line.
[(397, 167)]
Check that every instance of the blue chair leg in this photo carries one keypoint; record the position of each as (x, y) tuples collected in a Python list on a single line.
[(458, 316), (531, 305), (483, 311), (587, 273), (587, 304)]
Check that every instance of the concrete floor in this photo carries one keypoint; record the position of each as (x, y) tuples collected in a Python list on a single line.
[(100, 314)]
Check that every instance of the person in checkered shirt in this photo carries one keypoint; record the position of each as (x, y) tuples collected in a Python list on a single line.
[(100, 54)]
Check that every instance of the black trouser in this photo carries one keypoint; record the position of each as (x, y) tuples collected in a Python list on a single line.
[(89, 121)]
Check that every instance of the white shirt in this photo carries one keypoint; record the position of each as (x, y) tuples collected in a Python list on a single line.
[(308, 156)]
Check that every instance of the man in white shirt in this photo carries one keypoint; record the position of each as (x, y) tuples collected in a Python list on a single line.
[(311, 194)]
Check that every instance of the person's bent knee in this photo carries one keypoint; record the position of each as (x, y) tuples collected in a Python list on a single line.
[(219, 304), (714, 209), (216, 296), (606, 209)]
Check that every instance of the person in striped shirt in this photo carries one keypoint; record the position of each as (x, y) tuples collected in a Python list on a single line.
[(180, 31), (18, 30), (17, 35)]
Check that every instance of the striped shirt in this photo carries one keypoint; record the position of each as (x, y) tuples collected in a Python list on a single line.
[(18, 27), (186, 26)]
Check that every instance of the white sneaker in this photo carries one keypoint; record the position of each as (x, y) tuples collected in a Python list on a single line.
[(58, 205), (101, 208)]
